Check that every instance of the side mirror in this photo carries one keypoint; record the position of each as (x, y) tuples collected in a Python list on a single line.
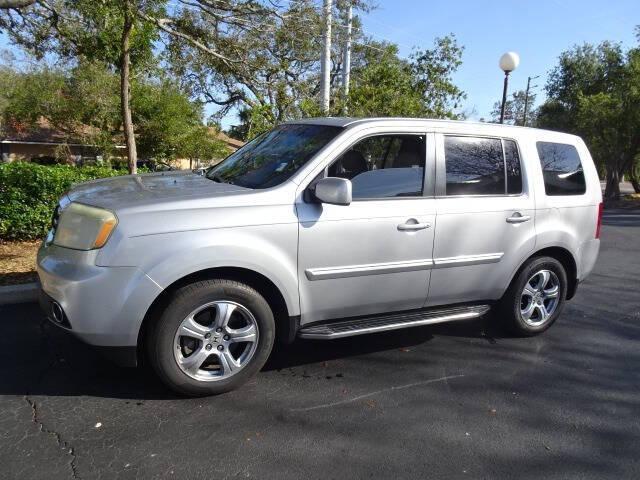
[(333, 190)]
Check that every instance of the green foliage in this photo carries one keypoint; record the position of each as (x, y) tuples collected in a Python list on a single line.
[(84, 104), (433, 69), (30, 192), (383, 85), (169, 126), (594, 92), (200, 143), (514, 109), (84, 29)]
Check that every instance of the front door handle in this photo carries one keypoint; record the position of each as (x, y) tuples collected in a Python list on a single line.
[(518, 218), (412, 227)]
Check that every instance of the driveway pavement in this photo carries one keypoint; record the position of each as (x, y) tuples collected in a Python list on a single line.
[(448, 401)]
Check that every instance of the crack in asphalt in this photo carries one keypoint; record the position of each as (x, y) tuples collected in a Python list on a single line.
[(35, 417), (63, 444)]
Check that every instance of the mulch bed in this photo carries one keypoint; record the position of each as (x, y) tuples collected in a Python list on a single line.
[(628, 202), (18, 262)]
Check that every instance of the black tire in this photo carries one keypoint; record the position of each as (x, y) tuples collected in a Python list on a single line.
[(185, 300), (511, 304)]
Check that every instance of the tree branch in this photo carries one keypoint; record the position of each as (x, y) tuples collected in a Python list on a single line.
[(162, 24)]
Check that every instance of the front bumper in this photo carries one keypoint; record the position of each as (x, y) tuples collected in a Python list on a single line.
[(103, 306)]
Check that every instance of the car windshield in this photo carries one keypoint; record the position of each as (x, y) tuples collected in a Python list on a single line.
[(273, 157)]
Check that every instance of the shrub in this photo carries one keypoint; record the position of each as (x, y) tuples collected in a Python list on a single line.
[(30, 192)]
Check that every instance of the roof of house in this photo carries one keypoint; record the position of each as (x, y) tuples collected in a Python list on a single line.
[(44, 133), (232, 142)]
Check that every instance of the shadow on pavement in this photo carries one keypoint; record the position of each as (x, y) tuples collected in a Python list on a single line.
[(621, 218), (40, 359)]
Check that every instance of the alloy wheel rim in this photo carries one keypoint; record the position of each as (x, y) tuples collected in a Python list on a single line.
[(215, 341), (539, 298)]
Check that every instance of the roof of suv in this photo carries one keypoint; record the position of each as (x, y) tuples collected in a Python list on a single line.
[(350, 121)]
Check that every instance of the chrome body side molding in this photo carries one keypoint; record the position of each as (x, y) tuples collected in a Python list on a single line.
[(464, 260), (370, 269), (396, 267)]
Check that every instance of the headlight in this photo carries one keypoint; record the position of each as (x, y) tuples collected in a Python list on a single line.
[(82, 227)]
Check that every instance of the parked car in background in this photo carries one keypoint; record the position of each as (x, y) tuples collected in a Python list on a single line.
[(324, 228), (154, 165)]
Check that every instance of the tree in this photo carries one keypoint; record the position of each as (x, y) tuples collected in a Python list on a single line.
[(514, 109), (382, 84), (83, 102), (110, 31), (201, 145), (594, 92), (433, 69), (123, 32), (169, 125)]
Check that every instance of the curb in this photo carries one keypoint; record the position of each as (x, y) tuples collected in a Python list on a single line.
[(24, 293)]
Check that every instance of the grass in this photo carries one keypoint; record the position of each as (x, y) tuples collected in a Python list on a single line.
[(18, 262)]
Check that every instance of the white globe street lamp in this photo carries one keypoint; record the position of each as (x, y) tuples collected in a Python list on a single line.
[(508, 63)]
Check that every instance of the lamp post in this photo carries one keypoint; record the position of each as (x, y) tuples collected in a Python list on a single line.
[(508, 63)]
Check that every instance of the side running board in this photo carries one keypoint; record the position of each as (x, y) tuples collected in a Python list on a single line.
[(364, 325)]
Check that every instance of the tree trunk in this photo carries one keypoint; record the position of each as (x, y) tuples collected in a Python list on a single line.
[(634, 177), (125, 91), (612, 189)]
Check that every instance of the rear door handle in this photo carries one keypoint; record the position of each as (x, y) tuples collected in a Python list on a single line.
[(412, 227), (518, 218)]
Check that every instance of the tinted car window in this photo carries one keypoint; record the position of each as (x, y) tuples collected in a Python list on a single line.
[(561, 169), (273, 157), (474, 166), (383, 166), (514, 172)]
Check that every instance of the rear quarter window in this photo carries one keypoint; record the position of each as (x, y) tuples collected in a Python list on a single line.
[(561, 169)]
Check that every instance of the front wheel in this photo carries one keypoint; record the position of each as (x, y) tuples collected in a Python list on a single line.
[(213, 336), (535, 297)]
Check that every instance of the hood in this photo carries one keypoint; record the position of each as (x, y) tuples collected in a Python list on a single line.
[(138, 190)]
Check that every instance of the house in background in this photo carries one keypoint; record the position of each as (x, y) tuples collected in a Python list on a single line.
[(46, 145)]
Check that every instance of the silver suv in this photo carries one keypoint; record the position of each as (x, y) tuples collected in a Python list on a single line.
[(323, 229)]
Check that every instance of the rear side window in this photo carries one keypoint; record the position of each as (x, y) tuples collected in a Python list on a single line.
[(514, 173), (480, 166), (561, 169)]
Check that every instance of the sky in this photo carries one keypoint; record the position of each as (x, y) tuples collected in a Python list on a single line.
[(537, 30)]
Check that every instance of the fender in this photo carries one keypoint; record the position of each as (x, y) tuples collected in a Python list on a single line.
[(538, 248), (270, 250)]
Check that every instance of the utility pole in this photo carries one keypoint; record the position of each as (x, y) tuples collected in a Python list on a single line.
[(347, 53), (325, 69), (526, 99)]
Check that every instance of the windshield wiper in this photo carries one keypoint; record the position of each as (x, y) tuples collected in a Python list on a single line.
[(218, 179)]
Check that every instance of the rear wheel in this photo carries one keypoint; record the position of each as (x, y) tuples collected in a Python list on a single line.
[(535, 298), (213, 336)]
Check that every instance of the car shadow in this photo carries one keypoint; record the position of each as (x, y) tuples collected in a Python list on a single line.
[(38, 358)]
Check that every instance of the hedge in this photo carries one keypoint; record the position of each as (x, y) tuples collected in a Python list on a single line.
[(29, 193)]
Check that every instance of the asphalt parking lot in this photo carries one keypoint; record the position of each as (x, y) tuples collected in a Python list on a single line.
[(448, 401)]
